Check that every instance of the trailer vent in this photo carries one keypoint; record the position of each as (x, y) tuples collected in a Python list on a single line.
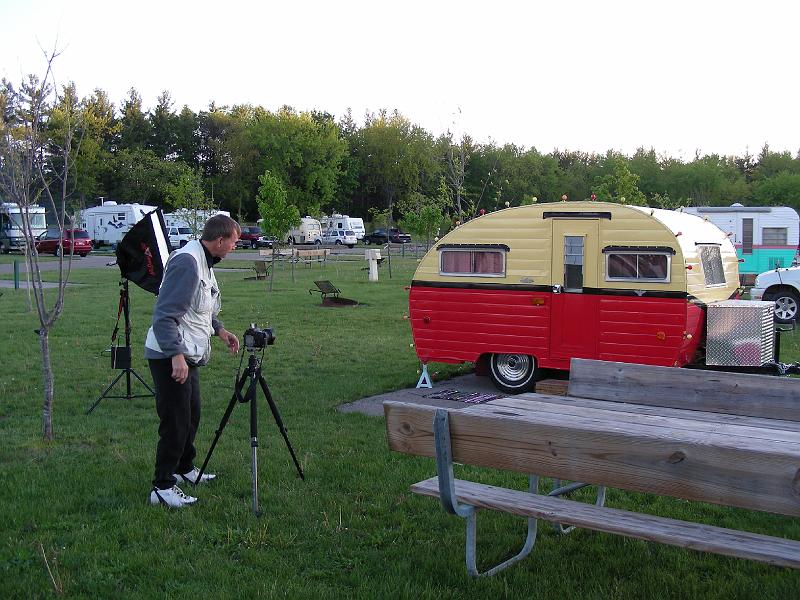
[(740, 333)]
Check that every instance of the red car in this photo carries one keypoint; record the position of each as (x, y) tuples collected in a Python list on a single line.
[(50, 242)]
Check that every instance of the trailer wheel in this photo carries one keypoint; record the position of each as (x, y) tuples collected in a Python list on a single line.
[(513, 373), (786, 304)]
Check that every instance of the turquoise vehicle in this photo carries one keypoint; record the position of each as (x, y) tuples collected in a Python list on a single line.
[(765, 237)]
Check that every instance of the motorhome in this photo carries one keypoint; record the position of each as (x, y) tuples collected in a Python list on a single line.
[(308, 232), (109, 222), (12, 236), (765, 237), (344, 223), (528, 288)]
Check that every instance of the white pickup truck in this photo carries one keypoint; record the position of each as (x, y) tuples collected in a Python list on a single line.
[(178, 236), (783, 287)]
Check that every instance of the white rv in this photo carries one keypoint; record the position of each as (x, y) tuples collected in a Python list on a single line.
[(344, 223), (308, 232), (11, 234), (109, 222), (765, 237)]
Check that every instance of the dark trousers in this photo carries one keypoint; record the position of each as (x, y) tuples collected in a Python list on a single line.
[(178, 406)]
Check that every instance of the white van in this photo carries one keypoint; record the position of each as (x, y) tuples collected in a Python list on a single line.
[(308, 232), (339, 237), (344, 223), (109, 222), (179, 236)]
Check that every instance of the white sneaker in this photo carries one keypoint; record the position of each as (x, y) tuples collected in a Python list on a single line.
[(172, 497), (191, 477)]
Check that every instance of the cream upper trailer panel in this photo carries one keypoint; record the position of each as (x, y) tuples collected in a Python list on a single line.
[(524, 235)]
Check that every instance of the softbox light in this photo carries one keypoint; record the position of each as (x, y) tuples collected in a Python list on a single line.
[(143, 252)]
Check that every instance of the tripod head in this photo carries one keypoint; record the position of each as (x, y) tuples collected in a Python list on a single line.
[(257, 339)]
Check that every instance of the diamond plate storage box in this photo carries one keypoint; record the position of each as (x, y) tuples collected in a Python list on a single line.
[(740, 333)]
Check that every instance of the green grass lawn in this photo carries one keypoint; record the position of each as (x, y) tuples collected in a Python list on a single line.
[(78, 505)]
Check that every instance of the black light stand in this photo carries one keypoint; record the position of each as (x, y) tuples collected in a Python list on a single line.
[(252, 378), (121, 356)]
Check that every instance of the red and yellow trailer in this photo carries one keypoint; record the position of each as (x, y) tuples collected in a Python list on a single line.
[(529, 288)]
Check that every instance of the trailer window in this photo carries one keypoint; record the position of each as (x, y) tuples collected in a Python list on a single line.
[(637, 266), (711, 259), (488, 263), (774, 236), (747, 236), (573, 262)]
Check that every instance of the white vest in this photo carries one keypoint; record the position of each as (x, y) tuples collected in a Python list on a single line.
[(195, 325)]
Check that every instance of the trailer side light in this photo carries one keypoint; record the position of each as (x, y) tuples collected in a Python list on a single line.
[(426, 319), (688, 267), (661, 336), (537, 301), (741, 260)]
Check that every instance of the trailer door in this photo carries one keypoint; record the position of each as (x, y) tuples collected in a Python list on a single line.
[(573, 312)]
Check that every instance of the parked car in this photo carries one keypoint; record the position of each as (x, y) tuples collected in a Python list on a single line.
[(396, 236), (783, 287), (253, 237), (339, 237), (50, 242), (179, 236)]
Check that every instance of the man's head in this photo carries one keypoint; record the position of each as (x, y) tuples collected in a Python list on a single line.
[(220, 235)]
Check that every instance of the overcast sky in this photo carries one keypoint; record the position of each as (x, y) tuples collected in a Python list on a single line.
[(678, 76)]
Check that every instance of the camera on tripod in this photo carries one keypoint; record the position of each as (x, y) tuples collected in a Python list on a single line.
[(256, 338)]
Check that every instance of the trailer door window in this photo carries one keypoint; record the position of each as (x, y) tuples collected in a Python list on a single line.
[(573, 262), (637, 266), (711, 259), (487, 263), (747, 236)]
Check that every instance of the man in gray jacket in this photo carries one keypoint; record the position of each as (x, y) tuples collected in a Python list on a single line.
[(178, 342)]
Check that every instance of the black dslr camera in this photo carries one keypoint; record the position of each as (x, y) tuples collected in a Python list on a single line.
[(257, 339)]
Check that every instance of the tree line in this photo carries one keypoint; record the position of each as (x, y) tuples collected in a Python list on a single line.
[(173, 159)]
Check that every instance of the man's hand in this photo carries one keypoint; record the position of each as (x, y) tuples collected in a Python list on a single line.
[(180, 370), (230, 340)]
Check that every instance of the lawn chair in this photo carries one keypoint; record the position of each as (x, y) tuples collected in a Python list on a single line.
[(261, 268), (326, 288)]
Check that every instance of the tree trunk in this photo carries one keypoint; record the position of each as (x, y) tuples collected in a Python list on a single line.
[(47, 377)]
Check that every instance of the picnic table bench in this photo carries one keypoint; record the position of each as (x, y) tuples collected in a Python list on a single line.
[(723, 438)]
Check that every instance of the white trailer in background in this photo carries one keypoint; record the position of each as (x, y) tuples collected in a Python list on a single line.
[(109, 222), (308, 232), (765, 237), (12, 236), (343, 222)]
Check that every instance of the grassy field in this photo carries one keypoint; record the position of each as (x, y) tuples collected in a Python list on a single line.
[(73, 514)]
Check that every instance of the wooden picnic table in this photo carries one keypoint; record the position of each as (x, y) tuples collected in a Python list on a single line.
[(709, 454)]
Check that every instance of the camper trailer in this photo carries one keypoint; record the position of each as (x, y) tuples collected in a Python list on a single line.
[(308, 232), (109, 222), (529, 288), (765, 237), (12, 236), (343, 223)]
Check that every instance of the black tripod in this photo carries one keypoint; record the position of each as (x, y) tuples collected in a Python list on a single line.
[(121, 356), (254, 377)]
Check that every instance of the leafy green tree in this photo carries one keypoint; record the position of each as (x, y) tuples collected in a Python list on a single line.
[(134, 133), (424, 216), (163, 123), (139, 175), (782, 189), (186, 197), (277, 214), (619, 186)]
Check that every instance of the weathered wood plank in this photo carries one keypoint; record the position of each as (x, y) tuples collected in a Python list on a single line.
[(711, 391), (695, 536), (793, 426), (731, 470), (680, 419), (557, 387)]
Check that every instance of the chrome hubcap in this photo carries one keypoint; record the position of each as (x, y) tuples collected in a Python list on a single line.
[(785, 308), (513, 367)]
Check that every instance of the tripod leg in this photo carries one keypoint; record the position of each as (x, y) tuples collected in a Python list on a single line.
[(279, 422), (224, 421), (143, 382), (105, 391)]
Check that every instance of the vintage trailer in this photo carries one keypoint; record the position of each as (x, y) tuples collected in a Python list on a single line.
[(765, 237), (529, 288)]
